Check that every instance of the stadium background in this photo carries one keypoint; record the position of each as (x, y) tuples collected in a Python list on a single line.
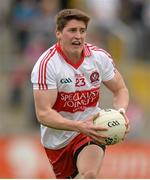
[(122, 27)]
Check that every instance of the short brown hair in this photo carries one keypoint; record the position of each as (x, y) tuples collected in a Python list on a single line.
[(66, 15)]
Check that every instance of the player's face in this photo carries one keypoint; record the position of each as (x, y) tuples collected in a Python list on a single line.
[(72, 37)]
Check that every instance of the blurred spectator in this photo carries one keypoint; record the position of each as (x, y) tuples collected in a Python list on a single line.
[(35, 47), (5, 31), (23, 12), (146, 21), (64, 4), (16, 80), (136, 13), (4, 12), (106, 12), (43, 25), (146, 14)]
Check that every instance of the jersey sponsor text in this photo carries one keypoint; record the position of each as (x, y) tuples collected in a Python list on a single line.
[(76, 101)]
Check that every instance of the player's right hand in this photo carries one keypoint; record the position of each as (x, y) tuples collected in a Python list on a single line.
[(88, 128)]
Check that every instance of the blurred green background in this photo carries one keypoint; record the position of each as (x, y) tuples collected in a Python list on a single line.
[(121, 27)]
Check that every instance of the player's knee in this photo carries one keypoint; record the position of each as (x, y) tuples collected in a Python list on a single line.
[(89, 175)]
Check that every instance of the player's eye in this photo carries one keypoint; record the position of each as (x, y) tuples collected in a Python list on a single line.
[(73, 30), (83, 30)]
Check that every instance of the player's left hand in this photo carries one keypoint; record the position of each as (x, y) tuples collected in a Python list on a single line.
[(122, 111)]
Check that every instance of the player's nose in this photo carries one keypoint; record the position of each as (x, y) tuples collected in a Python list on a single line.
[(78, 34)]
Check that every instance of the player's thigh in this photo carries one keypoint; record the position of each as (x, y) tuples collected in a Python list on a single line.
[(90, 158), (51, 171)]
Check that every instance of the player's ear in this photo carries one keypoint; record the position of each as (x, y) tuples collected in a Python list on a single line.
[(58, 34)]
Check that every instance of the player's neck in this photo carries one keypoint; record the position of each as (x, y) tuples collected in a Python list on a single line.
[(74, 57)]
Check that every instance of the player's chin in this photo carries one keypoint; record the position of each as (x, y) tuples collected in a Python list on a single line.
[(78, 47)]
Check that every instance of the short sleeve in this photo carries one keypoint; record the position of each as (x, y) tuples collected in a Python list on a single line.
[(43, 76), (108, 69)]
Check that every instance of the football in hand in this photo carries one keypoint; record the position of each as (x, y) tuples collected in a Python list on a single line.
[(114, 121)]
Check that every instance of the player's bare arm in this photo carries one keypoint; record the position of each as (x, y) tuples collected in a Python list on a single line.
[(120, 94), (44, 101), (119, 90)]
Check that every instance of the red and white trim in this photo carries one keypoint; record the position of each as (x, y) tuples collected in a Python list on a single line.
[(42, 69)]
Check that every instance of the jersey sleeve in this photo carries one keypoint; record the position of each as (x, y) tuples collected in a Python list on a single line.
[(43, 76), (108, 69)]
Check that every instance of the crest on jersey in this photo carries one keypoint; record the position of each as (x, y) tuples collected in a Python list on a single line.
[(94, 77)]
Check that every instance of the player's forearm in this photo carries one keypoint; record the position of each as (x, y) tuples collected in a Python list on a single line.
[(121, 99), (54, 120)]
